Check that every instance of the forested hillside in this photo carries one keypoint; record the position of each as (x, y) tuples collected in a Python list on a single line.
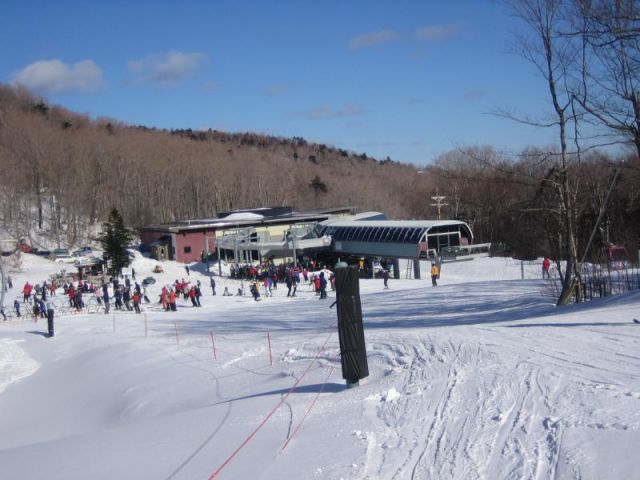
[(77, 169), (62, 172)]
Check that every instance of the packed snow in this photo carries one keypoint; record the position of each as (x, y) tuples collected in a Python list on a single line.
[(243, 216), (481, 377)]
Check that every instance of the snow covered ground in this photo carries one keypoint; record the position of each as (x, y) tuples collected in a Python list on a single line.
[(479, 378)]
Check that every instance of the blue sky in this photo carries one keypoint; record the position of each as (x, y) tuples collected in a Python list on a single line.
[(404, 79)]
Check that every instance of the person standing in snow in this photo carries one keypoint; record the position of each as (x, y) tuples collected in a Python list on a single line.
[(105, 297), (50, 313), (213, 286), (164, 298), (117, 294), (136, 301), (192, 296), (26, 292), (172, 301), (288, 281), (435, 272), (186, 267), (126, 298), (72, 296), (16, 306), (253, 288), (385, 278), (546, 263), (144, 294), (323, 286), (79, 301), (36, 308), (198, 293)]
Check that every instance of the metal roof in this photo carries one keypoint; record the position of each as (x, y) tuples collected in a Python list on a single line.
[(223, 223), (391, 223)]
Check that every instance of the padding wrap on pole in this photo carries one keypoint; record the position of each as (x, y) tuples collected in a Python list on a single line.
[(353, 352)]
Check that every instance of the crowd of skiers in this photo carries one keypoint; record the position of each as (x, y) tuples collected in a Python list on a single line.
[(129, 295), (39, 296), (268, 279), (126, 297), (190, 292), (277, 273)]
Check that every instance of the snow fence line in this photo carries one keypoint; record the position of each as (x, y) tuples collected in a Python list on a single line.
[(213, 337)]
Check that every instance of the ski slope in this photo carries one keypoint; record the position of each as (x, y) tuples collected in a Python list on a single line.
[(481, 377)]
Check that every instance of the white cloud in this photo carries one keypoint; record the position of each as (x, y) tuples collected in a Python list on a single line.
[(167, 69), (372, 39), (56, 76), (439, 32)]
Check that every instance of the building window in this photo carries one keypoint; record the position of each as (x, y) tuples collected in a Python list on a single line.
[(187, 249)]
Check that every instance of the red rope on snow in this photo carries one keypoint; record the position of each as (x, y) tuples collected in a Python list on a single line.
[(309, 409), (266, 419)]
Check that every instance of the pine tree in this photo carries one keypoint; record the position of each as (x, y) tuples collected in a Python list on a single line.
[(114, 240)]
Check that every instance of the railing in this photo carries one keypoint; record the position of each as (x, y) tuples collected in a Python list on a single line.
[(452, 253)]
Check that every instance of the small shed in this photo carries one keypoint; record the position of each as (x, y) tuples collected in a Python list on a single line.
[(93, 267), (160, 248)]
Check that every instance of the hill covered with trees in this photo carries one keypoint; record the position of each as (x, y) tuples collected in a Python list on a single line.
[(78, 169), (63, 172)]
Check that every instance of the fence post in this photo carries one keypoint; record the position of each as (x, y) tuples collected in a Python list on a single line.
[(270, 356), (213, 345)]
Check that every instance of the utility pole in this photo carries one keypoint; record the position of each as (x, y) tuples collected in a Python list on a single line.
[(439, 202)]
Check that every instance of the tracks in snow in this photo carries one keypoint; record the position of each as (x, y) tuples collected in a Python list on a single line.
[(464, 412)]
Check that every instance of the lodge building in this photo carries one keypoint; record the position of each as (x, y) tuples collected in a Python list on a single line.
[(279, 232)]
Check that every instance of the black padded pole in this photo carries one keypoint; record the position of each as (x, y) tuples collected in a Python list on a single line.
[(353, 352)]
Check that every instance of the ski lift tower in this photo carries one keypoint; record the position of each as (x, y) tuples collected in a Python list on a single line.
[(439, 203)]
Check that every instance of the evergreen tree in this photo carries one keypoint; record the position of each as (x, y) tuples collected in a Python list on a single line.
[(114, 240)]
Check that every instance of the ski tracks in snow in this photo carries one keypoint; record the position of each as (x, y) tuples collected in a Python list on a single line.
[(468, 407), (464, 412)]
